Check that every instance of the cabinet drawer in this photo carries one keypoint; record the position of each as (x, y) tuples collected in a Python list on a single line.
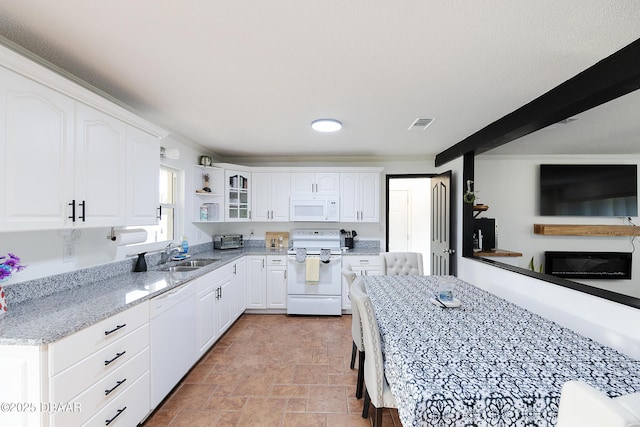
[(68, 383), (362, 261), (127, 409), (277, 260), (102, 392), (76, 347)]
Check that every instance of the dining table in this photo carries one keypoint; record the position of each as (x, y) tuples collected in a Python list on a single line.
[(487, 362)]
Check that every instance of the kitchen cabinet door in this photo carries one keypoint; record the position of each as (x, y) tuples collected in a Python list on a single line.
[(239, 287), (36, 154), (315, 183), (270, 196), (237, 197), (143, 169), (360, 197), (206, 313), (100, 169), (277, 282), (256, 282), (225, 306)]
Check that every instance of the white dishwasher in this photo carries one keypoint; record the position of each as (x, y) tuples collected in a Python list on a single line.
[(173, 339)]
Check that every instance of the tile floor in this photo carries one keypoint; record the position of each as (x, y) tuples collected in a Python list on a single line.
[(272, 370)]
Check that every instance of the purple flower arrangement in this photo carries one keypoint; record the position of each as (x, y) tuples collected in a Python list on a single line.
[(9, 264)]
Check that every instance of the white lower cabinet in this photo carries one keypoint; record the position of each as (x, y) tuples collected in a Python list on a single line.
[(100, 368), (23, 370), (206, 323), (256, 296), (277, 281), (362, 265)]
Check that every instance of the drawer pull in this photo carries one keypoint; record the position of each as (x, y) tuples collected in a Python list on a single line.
[(107, 422), (118, 384), (118, 355), (115, 329)]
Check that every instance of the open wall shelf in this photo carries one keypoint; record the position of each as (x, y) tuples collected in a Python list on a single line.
[(585, 230)]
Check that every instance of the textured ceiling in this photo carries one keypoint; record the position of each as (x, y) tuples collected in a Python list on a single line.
[(246, 78)]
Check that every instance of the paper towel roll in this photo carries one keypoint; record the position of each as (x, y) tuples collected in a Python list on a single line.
[(129, 237)]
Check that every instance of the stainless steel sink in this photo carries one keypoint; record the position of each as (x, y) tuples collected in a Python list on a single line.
[(179, 268), (197, 263)]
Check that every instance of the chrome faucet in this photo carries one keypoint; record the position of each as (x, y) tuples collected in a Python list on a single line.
[(166, 253)]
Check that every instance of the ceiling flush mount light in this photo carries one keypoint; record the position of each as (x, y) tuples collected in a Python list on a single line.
[(326, 125)]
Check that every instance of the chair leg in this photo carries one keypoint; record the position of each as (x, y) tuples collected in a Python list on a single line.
[(367, 402), (377, 418), (354, 349), (360, 384)]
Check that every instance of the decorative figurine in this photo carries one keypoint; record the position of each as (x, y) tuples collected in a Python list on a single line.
[(206, 187)]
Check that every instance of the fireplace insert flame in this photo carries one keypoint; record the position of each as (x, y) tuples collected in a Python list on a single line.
[(588, 265)]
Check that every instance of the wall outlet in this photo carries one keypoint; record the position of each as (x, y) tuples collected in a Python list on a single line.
[(68, 252)]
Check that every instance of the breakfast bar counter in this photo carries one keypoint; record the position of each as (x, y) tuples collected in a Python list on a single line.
[(487, 362)]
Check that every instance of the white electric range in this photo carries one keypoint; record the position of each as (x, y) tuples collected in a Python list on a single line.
[(321, 297)]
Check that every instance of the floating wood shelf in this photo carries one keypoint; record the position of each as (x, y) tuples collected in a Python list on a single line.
[(585, 230), (478, 209), (497, 253)]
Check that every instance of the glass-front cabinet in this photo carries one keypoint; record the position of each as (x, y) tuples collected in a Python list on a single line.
[(238, 206)]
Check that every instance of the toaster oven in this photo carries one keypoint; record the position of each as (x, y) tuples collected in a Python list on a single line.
[(227, 241)]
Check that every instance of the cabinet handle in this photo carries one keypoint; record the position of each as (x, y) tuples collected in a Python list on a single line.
[(263, 264), (159, 212), (107, 422), (115, 329), (84, 207), (285, 275), (73, 210), (118, 384), (118, 355), (235, 269)]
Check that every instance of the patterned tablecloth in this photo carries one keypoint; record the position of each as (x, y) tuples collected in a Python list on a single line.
[(486, 363)]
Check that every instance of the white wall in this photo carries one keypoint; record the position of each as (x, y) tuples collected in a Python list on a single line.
[(610, 323)]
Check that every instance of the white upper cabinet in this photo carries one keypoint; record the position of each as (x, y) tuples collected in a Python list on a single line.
[(237, 200), (143, 169), (36, 153), (270, 196), (360, 197), (315, 183), (100, 169)]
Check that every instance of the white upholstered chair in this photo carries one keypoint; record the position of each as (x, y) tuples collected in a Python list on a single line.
[(584, 406), (356, 332), (377, 391), (401, 263)]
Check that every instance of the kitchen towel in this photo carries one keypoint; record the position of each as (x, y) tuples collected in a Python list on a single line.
[(312, 273), (301, 254), (129, 237)]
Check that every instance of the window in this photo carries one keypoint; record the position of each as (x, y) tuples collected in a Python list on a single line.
[(168, 192)]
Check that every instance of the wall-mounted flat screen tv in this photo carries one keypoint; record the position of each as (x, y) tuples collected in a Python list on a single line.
[(589, 190)]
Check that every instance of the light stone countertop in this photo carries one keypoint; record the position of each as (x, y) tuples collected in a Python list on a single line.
[(47, 319)]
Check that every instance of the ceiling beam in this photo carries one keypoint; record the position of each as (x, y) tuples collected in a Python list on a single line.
[(608, 79)]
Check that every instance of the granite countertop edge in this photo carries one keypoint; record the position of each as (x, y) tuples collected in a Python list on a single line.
[(45, 320)]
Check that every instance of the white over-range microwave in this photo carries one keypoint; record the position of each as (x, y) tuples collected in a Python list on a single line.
[(315, 207)]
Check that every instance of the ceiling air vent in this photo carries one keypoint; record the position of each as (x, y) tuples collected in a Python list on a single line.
[(420, 124)]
